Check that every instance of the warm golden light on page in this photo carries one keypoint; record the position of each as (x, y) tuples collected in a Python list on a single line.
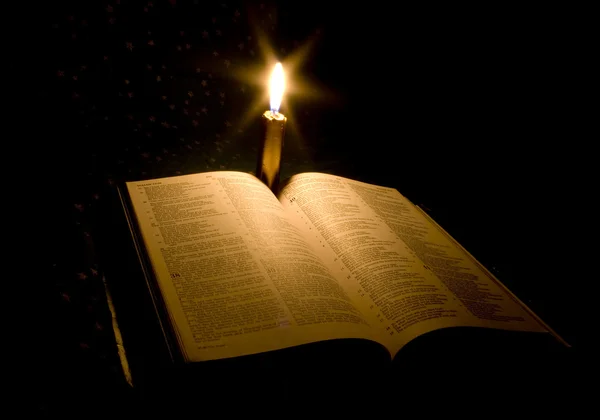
[(276, 87)]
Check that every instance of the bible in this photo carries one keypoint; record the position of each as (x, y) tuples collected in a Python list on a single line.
[(236, 270)]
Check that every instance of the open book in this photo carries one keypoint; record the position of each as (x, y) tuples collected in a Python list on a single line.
[(240, 271)]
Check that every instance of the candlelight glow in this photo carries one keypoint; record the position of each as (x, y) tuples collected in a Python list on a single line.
[(276, 87)]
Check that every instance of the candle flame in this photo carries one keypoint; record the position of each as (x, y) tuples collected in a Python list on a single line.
[(276, 87)]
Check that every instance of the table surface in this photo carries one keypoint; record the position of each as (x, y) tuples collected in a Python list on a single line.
[(410, 101)]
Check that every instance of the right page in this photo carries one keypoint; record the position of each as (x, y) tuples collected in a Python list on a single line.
[(400, 268)]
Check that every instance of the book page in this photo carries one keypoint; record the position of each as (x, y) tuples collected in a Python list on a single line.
[(237, 277), (405, 274)]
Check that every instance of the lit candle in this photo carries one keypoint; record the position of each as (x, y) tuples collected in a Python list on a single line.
[(269, 154)]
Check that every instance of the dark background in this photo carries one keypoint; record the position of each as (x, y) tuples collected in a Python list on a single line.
[(470, 111)]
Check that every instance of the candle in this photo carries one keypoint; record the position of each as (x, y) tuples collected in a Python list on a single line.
[(269, 155)]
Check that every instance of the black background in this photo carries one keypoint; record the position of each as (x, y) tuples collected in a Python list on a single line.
[(473, 112)]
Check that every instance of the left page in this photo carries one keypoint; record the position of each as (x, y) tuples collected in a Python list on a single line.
[(236, 276)]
